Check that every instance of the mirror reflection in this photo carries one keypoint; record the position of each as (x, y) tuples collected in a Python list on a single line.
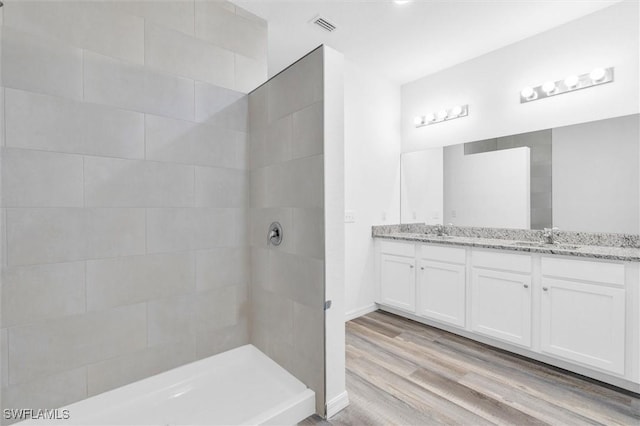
[(582, 177)]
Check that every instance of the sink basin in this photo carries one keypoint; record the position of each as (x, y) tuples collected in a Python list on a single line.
[(545, 245)]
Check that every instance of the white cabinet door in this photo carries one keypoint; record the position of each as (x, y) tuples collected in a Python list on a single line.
[(501, 305), (441, 292), (398, 282), (584, 323)]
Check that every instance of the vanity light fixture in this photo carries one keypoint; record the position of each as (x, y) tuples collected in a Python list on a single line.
[(442, 115), (569, 84)]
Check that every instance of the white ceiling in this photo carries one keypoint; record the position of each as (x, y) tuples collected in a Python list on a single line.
[(406, 42)]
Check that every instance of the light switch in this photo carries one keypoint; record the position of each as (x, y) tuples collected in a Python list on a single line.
[(349, 216)]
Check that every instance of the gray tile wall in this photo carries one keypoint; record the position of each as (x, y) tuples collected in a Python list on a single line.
[(124, 190), (287, 185)]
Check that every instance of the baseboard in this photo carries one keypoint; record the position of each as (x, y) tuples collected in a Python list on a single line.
[(337, 404), (360, 312)]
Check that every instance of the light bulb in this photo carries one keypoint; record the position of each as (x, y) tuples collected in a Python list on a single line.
[(571, 82), (528, 93), (442, 114), (597, 75), (549, 87), (455, 111), (418, 120), (430, 118)]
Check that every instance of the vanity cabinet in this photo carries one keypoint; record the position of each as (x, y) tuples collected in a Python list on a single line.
[(398, 276), (501, 296), (583, 312), (441, 284), (578, 314)]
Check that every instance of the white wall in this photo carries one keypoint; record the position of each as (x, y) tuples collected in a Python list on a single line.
[(490, 84), (487, 189), (372, 175)]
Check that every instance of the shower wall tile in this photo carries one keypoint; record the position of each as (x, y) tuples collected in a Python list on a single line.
[(176, 53), (4, 359), (296, 87), (133, 279), (110, 374), (68, 234), (219, 308), (221, 107), (108, 81), (280, 351), (216, 187), (308, 232), (261, 268), (218, 227), (308, 131), (41, 179), (174, 14), (89, 25), (304, 182), (114, 232), (191, 143), (275, 313), (110, 182), (250, 73), (65, 343), (222, 267), (51, 123), (222, 25), (258, 112), (171, 229), (24, 57), (51, 391), (222, 339), (300, 278), (279, 140), (308, 349), (34, 293), (171, 319), (60, 235)]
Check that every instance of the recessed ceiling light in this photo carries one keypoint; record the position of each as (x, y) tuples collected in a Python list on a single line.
[(401, 1)]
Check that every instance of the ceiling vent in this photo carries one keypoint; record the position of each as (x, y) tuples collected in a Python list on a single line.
[(323, 23)]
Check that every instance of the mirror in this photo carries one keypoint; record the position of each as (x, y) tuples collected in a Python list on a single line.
[(583, 178)]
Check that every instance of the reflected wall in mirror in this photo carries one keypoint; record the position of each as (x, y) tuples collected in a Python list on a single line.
[(583, 177)]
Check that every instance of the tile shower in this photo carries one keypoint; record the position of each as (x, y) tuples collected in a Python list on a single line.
[(135, 205)]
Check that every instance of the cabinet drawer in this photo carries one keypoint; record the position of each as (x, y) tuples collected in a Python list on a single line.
[(443, 254), (501, 260), (584, 270), (398, 249)]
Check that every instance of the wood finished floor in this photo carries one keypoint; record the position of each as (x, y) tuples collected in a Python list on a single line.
[(400, 372)]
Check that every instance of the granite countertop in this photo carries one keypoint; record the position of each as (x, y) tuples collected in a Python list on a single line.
[(628, 254)]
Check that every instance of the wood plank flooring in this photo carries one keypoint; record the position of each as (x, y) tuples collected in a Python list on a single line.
[(400, 372)]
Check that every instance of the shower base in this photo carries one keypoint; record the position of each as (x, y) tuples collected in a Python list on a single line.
[(238, 387)]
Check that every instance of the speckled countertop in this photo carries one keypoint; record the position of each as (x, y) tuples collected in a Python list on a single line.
[(567, 246)]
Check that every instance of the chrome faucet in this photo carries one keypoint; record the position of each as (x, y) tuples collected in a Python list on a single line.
[(550, 235)]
